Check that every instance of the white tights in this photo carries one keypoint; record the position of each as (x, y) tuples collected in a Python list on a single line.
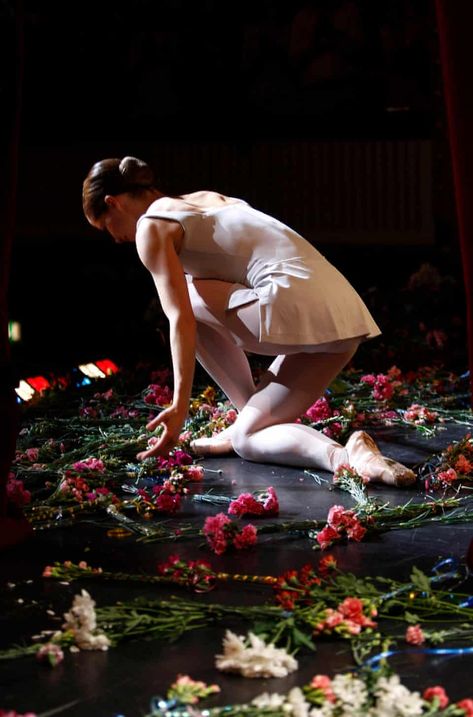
[(265, 430)]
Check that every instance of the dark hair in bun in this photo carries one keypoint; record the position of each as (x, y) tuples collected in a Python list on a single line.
[(114, 176)]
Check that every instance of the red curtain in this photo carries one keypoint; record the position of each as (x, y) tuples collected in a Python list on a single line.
[(11, 38), (454, 26)]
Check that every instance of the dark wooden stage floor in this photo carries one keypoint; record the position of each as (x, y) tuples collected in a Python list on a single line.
[(123, 680)]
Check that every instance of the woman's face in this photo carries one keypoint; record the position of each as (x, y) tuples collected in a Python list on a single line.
[(118, 219)]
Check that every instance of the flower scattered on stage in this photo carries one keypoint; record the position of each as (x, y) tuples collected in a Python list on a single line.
[(294, 587), (348, 618), (393, 699), (319, 411), (188, 691), (157, 395), (80, 489), (420, 415), (252, 657), (81, 624), (262, 503), (70, 570), (467, 707), (454, 465), (383, 387), (50, 652), (340, 523), (292, 703), (223, 533), (197, 574), (437, 696), (415, 635), (12, 713), (89, 464), (366, 694)]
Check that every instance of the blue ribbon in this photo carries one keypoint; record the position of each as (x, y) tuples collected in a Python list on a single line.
[(425, 651)]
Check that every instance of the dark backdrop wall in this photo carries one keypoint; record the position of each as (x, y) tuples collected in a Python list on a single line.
[(328, 114)]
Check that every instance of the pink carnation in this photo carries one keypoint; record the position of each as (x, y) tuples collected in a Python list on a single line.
[(158, 395), (356, 531), (381, 384), (448, 476), (50, 652), (245, 504), (245, 538), (337, 516), (436, 693), (319, 411), (214, 532), (231, 415), (265, 503), (168, 503), (414, 635), (326, 536), (466, 706), (195, 473), (324, 684), (32, 454), (90, 464)]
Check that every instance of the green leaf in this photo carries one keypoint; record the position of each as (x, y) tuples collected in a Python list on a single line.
[(301, 639), (420, 580), (411, 617)]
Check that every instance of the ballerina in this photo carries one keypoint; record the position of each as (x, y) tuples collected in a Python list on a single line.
[(233, 280)]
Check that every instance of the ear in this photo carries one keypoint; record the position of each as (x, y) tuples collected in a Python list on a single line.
[(110, 200)]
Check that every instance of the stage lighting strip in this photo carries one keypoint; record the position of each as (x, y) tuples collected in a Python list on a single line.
[(29, 387)]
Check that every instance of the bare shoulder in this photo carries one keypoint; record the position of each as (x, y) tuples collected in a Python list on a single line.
[(206, 198), (155, 236)]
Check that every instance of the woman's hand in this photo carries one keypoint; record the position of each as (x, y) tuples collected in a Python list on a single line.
[(172, 420)]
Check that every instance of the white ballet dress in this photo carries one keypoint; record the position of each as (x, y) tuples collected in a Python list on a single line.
[(303, 299)]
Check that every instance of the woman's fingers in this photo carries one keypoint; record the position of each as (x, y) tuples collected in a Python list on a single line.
[(156, 445), (151, 425)]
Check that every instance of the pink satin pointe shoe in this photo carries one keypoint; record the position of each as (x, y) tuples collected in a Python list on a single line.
[(365, 456), (212, 446)]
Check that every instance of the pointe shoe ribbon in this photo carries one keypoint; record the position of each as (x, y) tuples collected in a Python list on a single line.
[(365, 456)]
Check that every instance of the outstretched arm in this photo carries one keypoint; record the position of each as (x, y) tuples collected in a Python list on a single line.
[(155, 242)]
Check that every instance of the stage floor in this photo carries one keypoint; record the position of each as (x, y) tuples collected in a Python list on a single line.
[(122, 680)]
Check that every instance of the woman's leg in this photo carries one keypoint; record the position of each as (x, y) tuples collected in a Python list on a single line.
[(217, 351), (265, 430)]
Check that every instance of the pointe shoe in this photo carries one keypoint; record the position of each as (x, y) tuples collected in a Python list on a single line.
[(213, 446), (365, 456)]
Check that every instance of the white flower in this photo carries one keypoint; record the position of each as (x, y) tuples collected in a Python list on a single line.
[(297, 701), (395, 700), (255, 660), (293, 704), (268, 700), (82, 613), (350, 692), (82, 622), (327, 710)]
